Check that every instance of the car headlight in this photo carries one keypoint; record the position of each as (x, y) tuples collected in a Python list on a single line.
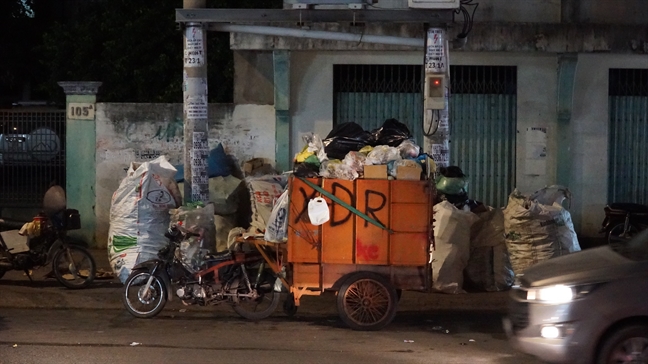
[(558, 293)]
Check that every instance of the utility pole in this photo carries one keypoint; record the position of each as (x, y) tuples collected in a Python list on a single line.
[(436, 92), (196, 187)]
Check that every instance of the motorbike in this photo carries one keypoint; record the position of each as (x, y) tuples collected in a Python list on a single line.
[(238, 277), (623, 221), (44, 241)]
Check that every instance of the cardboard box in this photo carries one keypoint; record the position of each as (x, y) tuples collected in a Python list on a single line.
[(375, 172), (409, 173), (252, 164)]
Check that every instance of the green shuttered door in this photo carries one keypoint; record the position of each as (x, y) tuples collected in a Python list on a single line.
[(628, 152)]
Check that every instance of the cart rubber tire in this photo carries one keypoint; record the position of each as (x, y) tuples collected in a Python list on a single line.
[(367, 301), (289, 306)]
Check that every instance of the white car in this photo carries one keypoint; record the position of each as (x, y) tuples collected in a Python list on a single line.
[(586, 307)]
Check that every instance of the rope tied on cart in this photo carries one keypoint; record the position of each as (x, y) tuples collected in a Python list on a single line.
[(345, 205)]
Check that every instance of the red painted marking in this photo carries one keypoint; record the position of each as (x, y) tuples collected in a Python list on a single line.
[(366, 252)]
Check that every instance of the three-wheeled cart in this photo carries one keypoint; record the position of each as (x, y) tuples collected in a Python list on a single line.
[(376, 244)]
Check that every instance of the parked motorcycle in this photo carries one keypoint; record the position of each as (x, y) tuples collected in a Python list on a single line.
[(239, 278), (623, 221), (44, 240)]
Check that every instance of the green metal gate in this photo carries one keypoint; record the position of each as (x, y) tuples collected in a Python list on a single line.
[(370, 94), (628, 116), (482, 129)]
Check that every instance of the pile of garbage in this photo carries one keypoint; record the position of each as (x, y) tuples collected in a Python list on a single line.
[(349, 152), (485, 247)]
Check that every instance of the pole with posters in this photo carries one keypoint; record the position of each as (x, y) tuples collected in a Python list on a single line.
[(436, 92), (196, 187)]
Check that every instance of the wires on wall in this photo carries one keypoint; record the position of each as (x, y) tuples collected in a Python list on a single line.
[(468, 17)]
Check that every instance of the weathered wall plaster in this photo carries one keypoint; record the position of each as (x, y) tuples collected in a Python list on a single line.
[(140, 132), (590, 136)]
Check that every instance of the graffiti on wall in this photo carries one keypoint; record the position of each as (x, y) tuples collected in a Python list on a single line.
[(170, 131)]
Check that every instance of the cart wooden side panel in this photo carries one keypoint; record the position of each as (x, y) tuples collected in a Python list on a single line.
[(348, 243)]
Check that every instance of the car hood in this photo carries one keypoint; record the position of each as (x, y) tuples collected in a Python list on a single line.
[(588, 266)]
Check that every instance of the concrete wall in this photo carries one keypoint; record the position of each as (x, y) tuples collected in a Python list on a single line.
[(254, 74), (140, 132), (590, 133)]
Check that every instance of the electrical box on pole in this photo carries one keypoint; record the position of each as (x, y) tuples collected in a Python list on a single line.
[(434, 4), (435, 95)]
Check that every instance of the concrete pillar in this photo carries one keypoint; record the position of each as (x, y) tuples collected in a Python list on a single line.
[(80, 148), (196, 186), (281, 61), (435, 102), (566, 73)]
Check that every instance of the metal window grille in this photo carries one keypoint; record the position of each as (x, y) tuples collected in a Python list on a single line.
[(482, 129), (32, 155), (628, 133), (370, 94)]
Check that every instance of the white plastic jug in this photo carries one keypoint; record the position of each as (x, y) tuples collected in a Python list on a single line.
[(318, 211)]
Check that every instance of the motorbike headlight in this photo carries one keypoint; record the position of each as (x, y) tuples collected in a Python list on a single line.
[(557, 293)]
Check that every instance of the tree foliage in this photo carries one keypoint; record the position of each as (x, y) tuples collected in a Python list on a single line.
[(19, 31), (134, 47)]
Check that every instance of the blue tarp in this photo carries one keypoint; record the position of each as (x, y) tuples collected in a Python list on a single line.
[(217, 165)]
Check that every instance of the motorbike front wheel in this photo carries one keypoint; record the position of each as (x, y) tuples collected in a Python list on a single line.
[(264, 305), (140, 301), (74, 267)]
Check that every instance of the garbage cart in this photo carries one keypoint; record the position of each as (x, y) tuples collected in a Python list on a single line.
[(376, 244)]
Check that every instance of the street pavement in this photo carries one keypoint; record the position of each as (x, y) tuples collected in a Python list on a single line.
[(16, 291)]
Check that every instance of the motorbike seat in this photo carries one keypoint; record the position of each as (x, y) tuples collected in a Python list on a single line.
[(633, 208), (218, 257), (10, 225)]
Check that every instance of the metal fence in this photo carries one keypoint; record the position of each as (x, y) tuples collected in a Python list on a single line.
[(32, 155)]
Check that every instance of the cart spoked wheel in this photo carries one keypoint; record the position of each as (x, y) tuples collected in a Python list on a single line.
[(289, 306), (367, 301)]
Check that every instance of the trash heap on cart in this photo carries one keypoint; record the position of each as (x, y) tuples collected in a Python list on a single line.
[(353, 182)]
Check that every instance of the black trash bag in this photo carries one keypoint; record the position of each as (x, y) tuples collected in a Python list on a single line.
[(392, 133), (452, 172), (345, 138), (306, 170)]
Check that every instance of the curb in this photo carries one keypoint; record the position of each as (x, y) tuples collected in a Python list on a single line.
[(16, 291)]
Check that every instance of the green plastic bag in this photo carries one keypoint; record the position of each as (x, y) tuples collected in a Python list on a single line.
[(452, 185)]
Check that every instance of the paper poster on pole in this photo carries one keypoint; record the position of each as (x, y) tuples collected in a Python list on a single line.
[(196, 107), (194, 53), (441, 154), (435, 59), (199, 176)]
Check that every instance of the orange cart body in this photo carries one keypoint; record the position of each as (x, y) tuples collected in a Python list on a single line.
[(321, 257)]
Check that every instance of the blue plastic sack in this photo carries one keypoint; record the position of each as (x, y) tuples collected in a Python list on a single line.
[(217, 165)]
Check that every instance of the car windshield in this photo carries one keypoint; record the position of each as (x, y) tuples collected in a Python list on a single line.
[(635, 248)]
